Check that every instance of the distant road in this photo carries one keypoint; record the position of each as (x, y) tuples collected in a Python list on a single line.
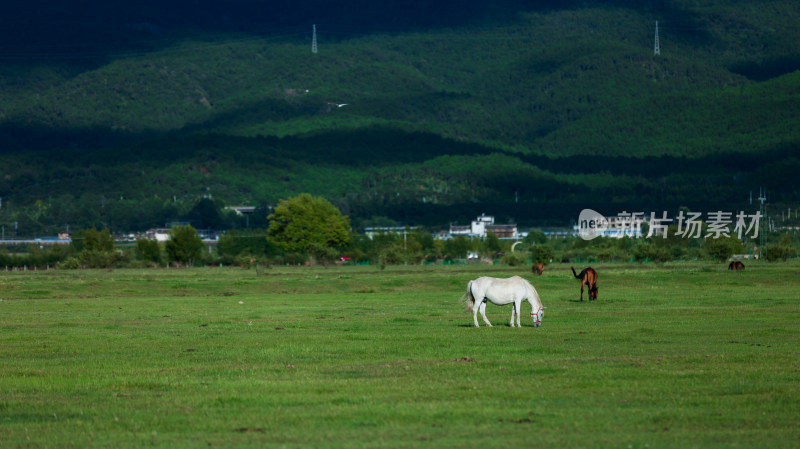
[(41, 241), (56, 241)]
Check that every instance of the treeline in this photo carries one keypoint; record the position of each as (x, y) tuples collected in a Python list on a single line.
[(247, 248), (412, 178)]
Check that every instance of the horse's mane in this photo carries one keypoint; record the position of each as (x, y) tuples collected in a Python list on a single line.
[(535, 294)]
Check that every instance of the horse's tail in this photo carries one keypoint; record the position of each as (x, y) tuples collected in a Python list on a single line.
[(574, 274), (468, 299)]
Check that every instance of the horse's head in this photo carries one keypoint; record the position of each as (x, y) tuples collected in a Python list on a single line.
[(537, 317)]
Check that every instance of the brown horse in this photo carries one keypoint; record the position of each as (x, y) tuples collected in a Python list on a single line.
[(736, 265), (588, 277), (538, 268)]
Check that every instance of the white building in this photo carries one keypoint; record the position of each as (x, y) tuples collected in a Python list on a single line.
[(482, 226), (159, 235)]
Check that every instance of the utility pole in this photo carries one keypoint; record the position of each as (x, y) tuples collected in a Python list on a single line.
[(657, 46), (314, 39)]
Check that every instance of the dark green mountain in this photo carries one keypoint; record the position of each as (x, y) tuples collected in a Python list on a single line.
[(530, 113)]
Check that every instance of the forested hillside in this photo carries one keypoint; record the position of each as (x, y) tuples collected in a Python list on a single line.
[(527, 113)]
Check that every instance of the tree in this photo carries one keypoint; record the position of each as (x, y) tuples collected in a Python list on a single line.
[(723, 247), (205, 214), (542, 253), (94, 240), (307, 223), (648, 251), (148, 251), (184, 245), (96, 248), (493, 245), (535, 236), (457, 248)]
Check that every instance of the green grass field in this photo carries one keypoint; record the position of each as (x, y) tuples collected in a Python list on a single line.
[(676, 356)]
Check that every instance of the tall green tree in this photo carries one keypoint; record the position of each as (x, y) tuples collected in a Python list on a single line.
[(308, 223), (94, 240), (205, 214), (184, 245), (96, 248), (148, 250), (457, 248), (493, 245)]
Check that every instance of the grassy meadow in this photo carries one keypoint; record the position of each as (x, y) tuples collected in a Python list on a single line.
[(680, 355)]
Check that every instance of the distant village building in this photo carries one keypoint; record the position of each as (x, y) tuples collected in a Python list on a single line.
[(159, 235), (482, 226), (241, 210), (625, 225), (371, 231)]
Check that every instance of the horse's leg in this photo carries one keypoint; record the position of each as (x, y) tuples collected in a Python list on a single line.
[(582, 284), (483, 314), (475, 308), (518, 306)]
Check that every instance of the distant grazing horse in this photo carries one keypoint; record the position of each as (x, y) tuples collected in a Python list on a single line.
[(513, 290), (588, 277), (538, 268), (736, 265)]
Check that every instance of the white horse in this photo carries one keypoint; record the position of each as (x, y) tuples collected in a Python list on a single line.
[(503, 291)]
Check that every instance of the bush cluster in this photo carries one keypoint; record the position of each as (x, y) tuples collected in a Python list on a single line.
[(249, 248)]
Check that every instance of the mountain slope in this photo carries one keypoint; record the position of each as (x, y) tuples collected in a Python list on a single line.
[(550, 110)]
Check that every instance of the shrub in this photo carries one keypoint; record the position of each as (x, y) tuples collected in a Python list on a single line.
[(71, 263), (514, 259), (779, 252), (148, 251), (542, 253), (723, 248), (646, 251)]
